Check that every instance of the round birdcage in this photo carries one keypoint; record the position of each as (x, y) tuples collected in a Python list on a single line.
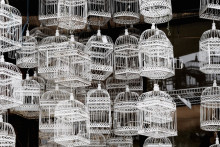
[(126, 61), (48, 102), (72, 15), (99, 106), (216, 143), (99, 12), (72, 123), (208, 51), (132, 31), (126, 121), (156, 11), (100, 48), (47, 60), (41, 32), (116, 141), (10, 28), (157, 114), (209, 108), (157, 142), (126, 11), (48, 12), (27, 56), (156, 55), (41, 81)]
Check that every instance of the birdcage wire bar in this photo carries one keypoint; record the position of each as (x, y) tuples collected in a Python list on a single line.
[(216, 142), (209, 9), (157, 142)]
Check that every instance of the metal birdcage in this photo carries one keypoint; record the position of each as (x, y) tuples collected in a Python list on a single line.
[(209, 108), (157, 114), (156, 56), (116, 141), (100, 48), (208, 51), (99, 12), (48, 12), (10, 28), (47, 59), (216, 143), (209, 9), (99, 106), (72, 123), (72, 15), (126, 121), (27, 56), (126, 62), (41, 81), (156, 11), (125, 11), (41, 32), (157, 142)]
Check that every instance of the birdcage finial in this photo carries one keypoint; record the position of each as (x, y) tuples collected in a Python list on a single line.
[(214, 83), (57, 87), (57, 32), (153, 26), (72, 39), (213, 26), (126, 32), (127, 88), (27, 76), (156, 87), (35, 74), (2, 1), (71, 97), (1, 118), (99, 86), (2, 58), (27, 33), (99, 33)]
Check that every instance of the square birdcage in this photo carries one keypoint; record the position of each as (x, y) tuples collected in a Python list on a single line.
[(209, 9)]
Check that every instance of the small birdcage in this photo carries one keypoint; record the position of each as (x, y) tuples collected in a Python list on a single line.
[(116, 141), (10, 28), (72, 15), (216, 142), (126, 11), (208, 51), (126, 121), (156, 57), (126, 62), (27, 56), (99, 12), (47, 59), (41, 32), (99, 106), (100, 48), (156, 11), (41, 81), (209, 9), (157, 114), (157, 142), (72, 123), (48, 102), (48, 12), (209, 108)]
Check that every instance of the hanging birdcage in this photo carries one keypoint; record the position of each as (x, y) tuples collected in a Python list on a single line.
[(48, 102), (216, 142), (100, 48), (126, 121), (156, 57), (41, 81), (47, 59), (72, 15), (48, 12), (156, 11), (77, 61), (72, 123), (41, 32), (126, 11), (99, 106), (10, 28), (209, 108), (126, 61), (157, 142), (157, 114), (99, 12), (208, 51), (116, 141), (209, 9), (27, 56)]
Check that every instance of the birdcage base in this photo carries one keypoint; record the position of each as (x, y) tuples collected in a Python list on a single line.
[(158, 20), (157, 132), (48, 20), (210, 69), (27, 114), (72, 24), (99, 77), (212, 125), (7, 140), (210, 12), (73, 140), (126, 17), (31, 107), (100, 131), (8, 102), (73, 82), (154, 73), (126, 131), (128, 74), (98, 18)]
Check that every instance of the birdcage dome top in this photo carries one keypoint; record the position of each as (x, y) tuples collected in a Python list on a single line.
[(211, 94), (126, 97), (75, 45), (98, 94), (30, 85), (40, 80), (163, 142), (120, 141), (41, 31), (132, 31), (99, 38), (210, 34), (29, 39), (54, 39)]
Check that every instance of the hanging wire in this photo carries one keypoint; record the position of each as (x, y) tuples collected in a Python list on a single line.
[(168, 28), (27, 22)]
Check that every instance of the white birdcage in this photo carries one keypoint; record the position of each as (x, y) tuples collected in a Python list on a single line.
[(100, 48), (157, 114), (126, 119), (72, 15), (31, 95), (7, 134), (208, 51), (41, 32), (48, 12), (209, 9), (156, 11), (72, 123), (125, 11), (126, 61), (41, 81), (99, 12), (156, 56), (47, 60), (209, 108), (48, 102), (157, 142), (10, 28), (27, 56), (216, 142), (77, 61), (99, 106), (116, 141)]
